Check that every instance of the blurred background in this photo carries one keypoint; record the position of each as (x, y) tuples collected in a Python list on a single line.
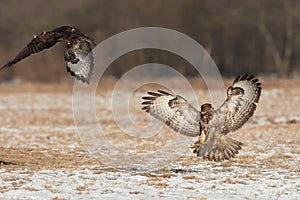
[(258, 37)]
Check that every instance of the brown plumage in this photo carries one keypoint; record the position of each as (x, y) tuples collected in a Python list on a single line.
[(212, 126), (206, 114), (173, 110), (78, 52)]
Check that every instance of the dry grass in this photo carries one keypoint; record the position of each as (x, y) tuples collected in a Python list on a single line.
[(36, 139)]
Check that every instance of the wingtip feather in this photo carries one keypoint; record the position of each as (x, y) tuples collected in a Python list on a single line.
[(147, 102), (244, 77), (7, 65), (154, 94), (149, 98), (146, 108), (236, 79), (164, 92), (250, 77)]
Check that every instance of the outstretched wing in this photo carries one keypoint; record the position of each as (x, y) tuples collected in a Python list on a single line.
[(173, 110), (241, 101), (40, 42)]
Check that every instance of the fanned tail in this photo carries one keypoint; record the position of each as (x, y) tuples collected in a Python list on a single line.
[(225, 149)]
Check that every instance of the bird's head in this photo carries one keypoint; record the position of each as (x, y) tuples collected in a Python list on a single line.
[(207, 107)]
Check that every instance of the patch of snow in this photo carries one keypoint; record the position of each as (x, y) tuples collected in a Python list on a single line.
[(290, 119), (201, 181)]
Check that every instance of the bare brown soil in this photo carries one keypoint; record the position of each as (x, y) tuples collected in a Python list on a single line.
[(283, 101), (37, 132)]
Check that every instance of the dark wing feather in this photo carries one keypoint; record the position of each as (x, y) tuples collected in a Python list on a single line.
[(239, 108), (72, 33), (173, 110), (43, 41)]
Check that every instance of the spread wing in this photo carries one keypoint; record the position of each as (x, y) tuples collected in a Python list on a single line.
[(173, 110), (239, 106), (43, 41), (80, 60), (241, 101)]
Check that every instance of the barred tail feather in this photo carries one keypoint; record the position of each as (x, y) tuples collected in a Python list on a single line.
[(225, 149)]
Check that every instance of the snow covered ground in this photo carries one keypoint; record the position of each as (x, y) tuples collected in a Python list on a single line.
[(43, 157)]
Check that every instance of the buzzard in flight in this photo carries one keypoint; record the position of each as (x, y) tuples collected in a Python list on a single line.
[(78, 52), (209, 124)]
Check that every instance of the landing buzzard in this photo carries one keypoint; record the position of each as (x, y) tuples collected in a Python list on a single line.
[(210, 125), (80, 62)]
